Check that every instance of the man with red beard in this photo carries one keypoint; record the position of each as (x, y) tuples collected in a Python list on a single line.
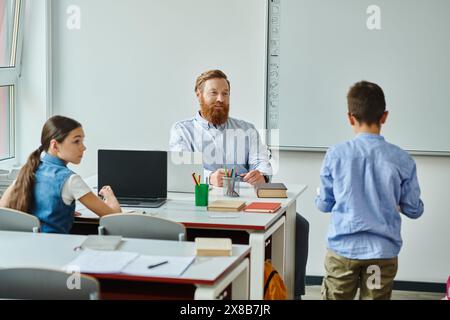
[(230, 143), (225, 142)]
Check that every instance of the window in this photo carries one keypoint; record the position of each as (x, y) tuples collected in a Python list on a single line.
[(10, 38), (6, 32), (6, 149)]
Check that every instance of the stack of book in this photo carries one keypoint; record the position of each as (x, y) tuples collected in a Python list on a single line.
[(226, 206), (271, 190), (102, 243), (208, 247)]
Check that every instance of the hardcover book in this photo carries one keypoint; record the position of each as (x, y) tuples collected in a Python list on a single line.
[(271, 190), (226, 205), (263, 207)]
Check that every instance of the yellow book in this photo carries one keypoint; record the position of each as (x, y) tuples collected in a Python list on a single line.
[(226, 205), (208, 247)]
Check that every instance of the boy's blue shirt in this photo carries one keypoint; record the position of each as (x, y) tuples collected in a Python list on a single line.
[(365, 182)]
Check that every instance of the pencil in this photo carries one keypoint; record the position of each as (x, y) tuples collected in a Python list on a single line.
[(195, 179)]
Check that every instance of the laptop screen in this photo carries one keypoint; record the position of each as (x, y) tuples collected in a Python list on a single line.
[(133, 174)]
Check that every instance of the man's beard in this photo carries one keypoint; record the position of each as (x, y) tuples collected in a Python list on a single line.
[(217, 116)]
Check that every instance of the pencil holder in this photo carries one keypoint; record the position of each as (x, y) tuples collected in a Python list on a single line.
[(230, 187), (201, 195)]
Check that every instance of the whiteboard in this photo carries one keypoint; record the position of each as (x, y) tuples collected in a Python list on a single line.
[(128, 72), (318, 49)]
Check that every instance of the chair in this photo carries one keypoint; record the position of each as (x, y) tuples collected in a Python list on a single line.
[(13, 220), (44, 284), (141, 226)]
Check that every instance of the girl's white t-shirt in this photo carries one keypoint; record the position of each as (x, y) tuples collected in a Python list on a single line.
[(73, 189)]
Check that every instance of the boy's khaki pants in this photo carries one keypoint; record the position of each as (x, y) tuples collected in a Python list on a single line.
[(374, 278)]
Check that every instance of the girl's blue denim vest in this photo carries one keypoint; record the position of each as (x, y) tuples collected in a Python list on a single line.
[(48, 206)]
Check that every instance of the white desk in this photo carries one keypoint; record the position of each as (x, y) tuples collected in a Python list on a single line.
[(280, 226), (210, 275)]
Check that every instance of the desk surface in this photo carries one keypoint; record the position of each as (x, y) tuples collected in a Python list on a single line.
[(180, 207), (52, 251)]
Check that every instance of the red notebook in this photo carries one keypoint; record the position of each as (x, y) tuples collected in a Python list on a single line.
[(264, 207)]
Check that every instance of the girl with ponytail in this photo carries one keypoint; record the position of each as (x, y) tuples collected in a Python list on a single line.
[(47, 189)]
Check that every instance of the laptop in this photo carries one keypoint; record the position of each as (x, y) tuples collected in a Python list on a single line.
[(180, 167), (138, 178)]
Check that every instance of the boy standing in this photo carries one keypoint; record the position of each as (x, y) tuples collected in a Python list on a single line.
[(365, 184)]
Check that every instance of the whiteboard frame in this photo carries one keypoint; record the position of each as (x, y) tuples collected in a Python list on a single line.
[(324, 149)]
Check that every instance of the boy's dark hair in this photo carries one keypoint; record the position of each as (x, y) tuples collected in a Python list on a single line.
[(366, 102)]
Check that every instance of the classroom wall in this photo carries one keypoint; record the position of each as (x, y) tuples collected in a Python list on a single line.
[(133, 65), (424, 257)]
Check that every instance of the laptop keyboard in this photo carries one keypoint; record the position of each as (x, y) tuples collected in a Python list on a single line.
[(142, 204), (130, 202)]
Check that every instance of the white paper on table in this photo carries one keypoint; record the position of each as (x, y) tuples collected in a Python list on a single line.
[(92, 261), (245, 185), (86, 213), (222, 216), (176, 266)]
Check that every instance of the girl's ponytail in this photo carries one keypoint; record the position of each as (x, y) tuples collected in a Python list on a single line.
[(22, 195)]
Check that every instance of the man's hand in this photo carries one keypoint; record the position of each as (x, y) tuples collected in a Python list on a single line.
[(216, 178), (253, 177)]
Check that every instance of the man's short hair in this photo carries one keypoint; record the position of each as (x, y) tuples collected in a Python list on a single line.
[(366, 102), (208, 75)]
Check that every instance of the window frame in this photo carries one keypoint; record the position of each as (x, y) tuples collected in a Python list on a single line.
[(9, 77)]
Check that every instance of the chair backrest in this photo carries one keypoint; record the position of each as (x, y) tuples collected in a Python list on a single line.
[(142, 227), (13, 220), (43, 284)]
